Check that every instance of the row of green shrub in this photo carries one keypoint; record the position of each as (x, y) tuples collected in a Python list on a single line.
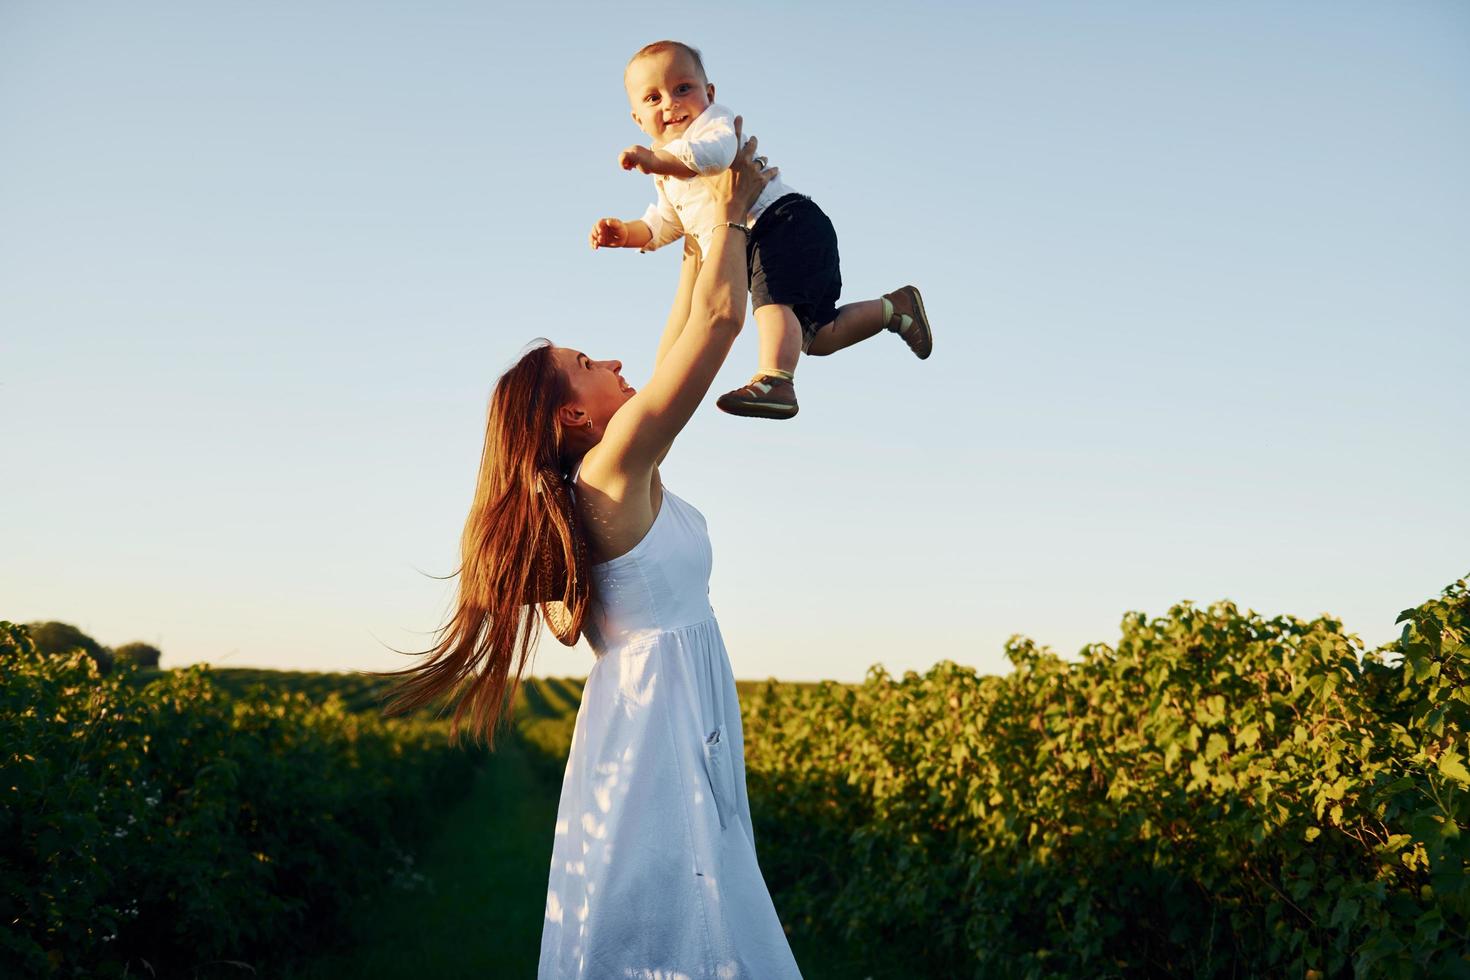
[(357, 692), (1219, 795), (156, 826), (54, 637)]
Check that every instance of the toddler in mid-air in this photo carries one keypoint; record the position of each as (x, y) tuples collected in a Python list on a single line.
[(795, 279)]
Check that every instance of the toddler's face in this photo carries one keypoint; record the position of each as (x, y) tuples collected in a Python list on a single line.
[(667, 92)]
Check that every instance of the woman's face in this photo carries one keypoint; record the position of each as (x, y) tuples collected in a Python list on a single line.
[(598, 389)]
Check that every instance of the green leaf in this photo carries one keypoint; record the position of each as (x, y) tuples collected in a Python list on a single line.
[(1451, 766), (1345, 912), (1215, 746), (1171, 756)]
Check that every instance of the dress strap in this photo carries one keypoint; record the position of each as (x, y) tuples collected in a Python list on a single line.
[(572, 479)]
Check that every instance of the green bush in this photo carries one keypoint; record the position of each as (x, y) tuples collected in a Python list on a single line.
[(161, 822), (54, 637), (1219, 795), (138, 654), (358, 692)]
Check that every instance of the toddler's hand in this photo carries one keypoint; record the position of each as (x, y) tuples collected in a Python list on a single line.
[(638, 158), (609, 233)]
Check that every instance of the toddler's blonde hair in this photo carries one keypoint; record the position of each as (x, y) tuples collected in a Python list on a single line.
[(658, 47)]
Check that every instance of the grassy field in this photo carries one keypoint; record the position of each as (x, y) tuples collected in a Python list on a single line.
[(471, 905)]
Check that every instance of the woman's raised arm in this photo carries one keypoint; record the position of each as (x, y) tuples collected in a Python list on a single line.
[(679, 315)]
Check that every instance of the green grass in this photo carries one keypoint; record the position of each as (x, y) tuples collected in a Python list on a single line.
[(472, 905), (477, 910)]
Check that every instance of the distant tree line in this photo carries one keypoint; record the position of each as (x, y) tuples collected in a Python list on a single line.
[(54, 637)]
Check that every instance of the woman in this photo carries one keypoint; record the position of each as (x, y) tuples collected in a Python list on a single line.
[(653, 870)]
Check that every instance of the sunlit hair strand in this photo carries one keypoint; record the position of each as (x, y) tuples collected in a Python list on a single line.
[(523, 560)]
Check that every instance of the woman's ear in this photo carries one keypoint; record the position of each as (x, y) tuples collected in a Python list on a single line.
[(570, 416)]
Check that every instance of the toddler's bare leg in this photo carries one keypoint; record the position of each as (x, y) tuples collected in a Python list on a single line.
[(770, 394), (855, 322), (901, 311), (780, 334)]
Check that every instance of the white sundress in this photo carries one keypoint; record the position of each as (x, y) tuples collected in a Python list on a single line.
[(653, 868)]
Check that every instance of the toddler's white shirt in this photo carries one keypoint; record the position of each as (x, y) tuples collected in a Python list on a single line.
[(684, 205)]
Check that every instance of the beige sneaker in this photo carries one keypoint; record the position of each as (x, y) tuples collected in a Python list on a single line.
[(765, 397), (909, 320)]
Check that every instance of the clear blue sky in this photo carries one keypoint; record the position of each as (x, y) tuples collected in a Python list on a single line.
[(1199, 274)]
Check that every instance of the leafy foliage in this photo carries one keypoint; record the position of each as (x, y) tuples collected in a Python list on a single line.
[(54, 637), (357, 692), (150, 818), (138, 654), (1219, 795)]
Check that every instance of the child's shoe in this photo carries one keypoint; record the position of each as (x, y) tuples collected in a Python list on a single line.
[(767, 396), (905, 310)]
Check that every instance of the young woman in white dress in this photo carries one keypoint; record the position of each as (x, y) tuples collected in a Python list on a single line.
[(653, 871)]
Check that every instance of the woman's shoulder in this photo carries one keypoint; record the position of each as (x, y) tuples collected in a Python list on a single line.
[(604, 471), (615, 508)]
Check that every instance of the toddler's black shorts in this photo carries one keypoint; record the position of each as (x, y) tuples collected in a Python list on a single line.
[(793, 262)]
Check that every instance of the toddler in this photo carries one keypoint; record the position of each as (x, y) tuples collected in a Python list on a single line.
[(792, 249)]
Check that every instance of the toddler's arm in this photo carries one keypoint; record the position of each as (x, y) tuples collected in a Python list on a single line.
[(644, 160), (707, 149), (659, 226)]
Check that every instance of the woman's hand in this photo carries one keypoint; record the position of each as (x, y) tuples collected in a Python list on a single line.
[(738, 188)]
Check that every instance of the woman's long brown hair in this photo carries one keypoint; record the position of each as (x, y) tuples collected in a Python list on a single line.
[(523, 560)]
